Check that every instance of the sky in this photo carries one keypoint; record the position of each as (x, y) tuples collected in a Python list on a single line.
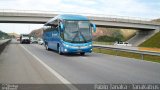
[(141, 9)]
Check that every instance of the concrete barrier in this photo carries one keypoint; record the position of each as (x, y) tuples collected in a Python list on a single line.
[(3, 44)]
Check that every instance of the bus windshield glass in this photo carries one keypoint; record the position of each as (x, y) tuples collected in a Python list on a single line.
[(77, 31), (25, 36)]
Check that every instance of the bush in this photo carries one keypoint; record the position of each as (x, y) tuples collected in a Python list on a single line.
[(116, 36), (4, 35), (108, 39)]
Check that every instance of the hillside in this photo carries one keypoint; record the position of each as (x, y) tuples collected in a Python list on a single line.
[(113, 34), (153, 42), (13, 34), (37, 33), (4, 35), (156, 20)]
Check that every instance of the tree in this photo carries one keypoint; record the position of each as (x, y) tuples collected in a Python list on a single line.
[(118, 36), (4, 35)]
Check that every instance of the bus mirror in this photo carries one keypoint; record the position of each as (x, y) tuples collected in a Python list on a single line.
[(94, 27), (61, 27)]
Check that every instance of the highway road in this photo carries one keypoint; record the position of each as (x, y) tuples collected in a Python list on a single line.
[(32, 64)]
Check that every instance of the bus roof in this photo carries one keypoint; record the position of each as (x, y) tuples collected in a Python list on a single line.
[(67, 17), (72, 17)]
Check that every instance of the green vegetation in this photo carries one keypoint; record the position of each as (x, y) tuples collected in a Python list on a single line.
[(108, 36), (103, 43), (106, 39), (128, 54), (153, 42), (4, 35), (116, 36), (129, 36)]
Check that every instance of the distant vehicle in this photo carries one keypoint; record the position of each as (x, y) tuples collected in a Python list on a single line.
[(24, 38), (69, 34), (122, 44), (18, 38), (40, 41), (33, 40)]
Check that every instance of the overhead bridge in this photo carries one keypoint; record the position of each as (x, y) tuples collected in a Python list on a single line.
[(41, 17)]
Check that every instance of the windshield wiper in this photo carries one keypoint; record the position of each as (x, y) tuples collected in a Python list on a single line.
[(83, 37), (75, 37)]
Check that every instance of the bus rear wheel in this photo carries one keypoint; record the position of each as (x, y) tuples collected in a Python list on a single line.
[(82, 53)]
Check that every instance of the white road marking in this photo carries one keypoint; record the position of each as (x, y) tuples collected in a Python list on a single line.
[(84, 57), (61, 78)]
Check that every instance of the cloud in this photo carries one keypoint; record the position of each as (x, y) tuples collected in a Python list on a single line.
[(81, 2), (122, 6), (132, 8)]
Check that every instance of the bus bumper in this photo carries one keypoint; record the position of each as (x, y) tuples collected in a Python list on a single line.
[(72, 50)]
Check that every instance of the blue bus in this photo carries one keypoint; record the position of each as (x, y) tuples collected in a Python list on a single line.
[(69, 34)]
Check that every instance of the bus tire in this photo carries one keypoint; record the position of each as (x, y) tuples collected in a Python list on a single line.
[(82, 53)]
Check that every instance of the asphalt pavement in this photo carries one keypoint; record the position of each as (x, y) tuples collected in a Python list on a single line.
[(32, 64)]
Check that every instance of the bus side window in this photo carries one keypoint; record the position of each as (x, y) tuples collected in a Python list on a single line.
[(60, 33)]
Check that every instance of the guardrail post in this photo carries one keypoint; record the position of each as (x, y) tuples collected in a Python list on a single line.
[(99, 50), (142, 56), (116, 52)]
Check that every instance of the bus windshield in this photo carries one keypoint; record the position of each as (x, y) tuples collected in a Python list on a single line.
[(77, 31), (25, 36)]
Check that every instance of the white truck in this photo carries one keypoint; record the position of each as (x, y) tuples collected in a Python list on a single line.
[(122, 44), (24, 38)]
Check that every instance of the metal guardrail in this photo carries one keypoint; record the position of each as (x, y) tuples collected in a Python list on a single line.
[(3, 44), (3, 41), (142, 53)]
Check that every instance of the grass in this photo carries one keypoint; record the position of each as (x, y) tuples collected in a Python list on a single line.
[(153, 42), (103, 43), (128, 54)]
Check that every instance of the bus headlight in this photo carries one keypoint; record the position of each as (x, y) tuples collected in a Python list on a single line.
[(90, 45), (65, 50), (66, 45)]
